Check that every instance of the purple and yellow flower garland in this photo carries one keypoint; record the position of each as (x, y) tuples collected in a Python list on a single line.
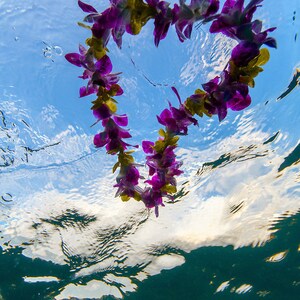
[(229, 90)]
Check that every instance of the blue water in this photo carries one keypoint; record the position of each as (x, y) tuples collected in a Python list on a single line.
[(234, 230)]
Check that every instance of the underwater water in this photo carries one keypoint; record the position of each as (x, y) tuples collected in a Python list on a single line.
[(233, 232)]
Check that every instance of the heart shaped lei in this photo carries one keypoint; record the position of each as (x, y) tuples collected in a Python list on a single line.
[(229, 90)]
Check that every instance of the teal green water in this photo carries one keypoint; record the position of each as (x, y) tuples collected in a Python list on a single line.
[(207, 268), (250, 272)]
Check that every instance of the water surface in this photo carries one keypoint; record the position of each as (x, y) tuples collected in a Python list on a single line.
[(232, 232)]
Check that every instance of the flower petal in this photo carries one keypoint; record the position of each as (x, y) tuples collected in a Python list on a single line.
[(100, 139), (101, 113), (244, 52), (82, 50), (86, 7), (222, 113), (121, 120), (132, 175), (74, 58), (238, 102), (165, 115), (147, 146), (271, 42), (85, 91), (113, 145), (124, 134), (176, 93), (104, 65)]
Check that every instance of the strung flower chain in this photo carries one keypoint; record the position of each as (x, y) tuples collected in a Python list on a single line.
[(229, 90)]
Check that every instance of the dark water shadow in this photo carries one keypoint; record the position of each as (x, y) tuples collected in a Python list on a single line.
[(14, 267), (292, 159), (292, 85), (204, 270), (207, 268), (242, 154)]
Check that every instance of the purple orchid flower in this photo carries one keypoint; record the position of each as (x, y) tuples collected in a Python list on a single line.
[(156, 182), (86, 7), (111, 22), (81, 59), (114, 21), (152, 199), (244, 52), (176, 120), (225, 93), (103, 112), (160, 162), (98, 19), (186, 15), (248, 48), (162, 20), (112, 135), (163, 167), (127, 181), (235, 21), (238, 101), (233, 15), (97, 72)]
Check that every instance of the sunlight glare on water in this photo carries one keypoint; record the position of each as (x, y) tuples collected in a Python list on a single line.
[(64, 234)]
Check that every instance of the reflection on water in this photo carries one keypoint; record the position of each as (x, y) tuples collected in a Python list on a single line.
[(233, 230), (67, 236), (23, 145), (271, 270), (291, 159), (226, 273), (293, 84)]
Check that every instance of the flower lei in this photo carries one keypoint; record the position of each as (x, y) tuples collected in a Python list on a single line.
[(229, 90)]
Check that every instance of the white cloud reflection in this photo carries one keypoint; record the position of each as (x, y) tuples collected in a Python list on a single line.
[(208, 56), (234, 203)]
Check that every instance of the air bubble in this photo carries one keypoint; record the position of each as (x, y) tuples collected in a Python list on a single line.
[(47, 54), (58, 50), (7, 197), (51, 51)]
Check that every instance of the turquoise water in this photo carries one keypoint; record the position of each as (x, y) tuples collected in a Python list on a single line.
[(233, 232)]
